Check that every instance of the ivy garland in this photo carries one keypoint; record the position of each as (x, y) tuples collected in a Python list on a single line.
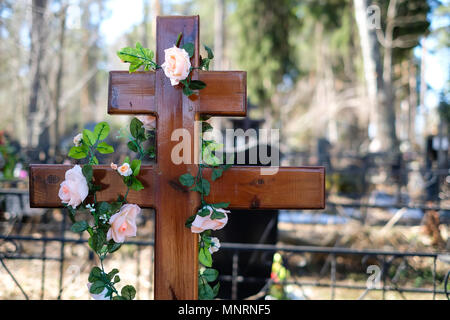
[(102, 284), (142, 57)]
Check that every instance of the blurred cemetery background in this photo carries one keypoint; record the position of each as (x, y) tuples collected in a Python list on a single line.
[(367, 98)]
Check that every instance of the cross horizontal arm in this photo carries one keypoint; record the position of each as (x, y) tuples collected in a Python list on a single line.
[(243, 186), (225, 93), (131, 93), (45, 181), (290, 188)]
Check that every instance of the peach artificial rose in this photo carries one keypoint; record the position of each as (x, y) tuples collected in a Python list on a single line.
[(177, 64), (148, 121), (201, 224), (74, 189), (125, 170), (123, 223)]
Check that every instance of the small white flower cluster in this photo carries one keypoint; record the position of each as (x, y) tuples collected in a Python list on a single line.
[(123, 170), (215, 245), (90, 207), (77, 139)]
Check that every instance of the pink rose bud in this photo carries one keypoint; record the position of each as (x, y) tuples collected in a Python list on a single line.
[(201, 224), (123, 223), (74, 189), (125, 170), (113, 166)]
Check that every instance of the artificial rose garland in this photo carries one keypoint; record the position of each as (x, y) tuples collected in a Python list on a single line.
[(114, 222), (178, 69)]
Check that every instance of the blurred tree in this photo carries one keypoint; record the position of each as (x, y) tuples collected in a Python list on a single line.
[(264, 49), (38, 39), (404, 23)]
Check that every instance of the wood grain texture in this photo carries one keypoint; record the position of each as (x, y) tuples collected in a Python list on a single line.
[(131, 93), (176, 247), (290, 188), (225, 93), (45, 180), (244, 186)]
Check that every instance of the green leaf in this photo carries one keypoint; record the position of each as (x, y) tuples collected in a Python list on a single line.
[(210, 52), (186, 179), (118, 298), (116, 279), (197, 85), (216, 289), (128, 292), (204, 257), (132, 146), (101, 130), (112, 273), (128, 54), (94, 160), (97, 287), (95, 274), (189, 47), (217, 215), (206, 126), (210, 274), (204, 63), (89, 137), (189, 221), (78, 152), (187, 92), (105, 148), (204, 212), (99, 239), (135, 166), (103, 207), (112, 247), (135, 127), (136, 184), (220, 205), (134, 66), (79, 226), (205, 292), (87, 172), (217, 173), (205, 187)]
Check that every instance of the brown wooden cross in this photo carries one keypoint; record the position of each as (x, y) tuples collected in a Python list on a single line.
[(176, 248)]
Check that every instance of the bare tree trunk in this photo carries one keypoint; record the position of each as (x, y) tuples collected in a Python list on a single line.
[(219, 34), (412, 84), (378, 77), (145, 34), (56, 132), (157, 11), (387, 120), (38, 41)]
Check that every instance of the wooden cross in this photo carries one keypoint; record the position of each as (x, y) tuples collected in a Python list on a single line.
[(176, 247)]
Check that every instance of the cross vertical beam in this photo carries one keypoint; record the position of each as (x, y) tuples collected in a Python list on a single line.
[(176, 263)]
